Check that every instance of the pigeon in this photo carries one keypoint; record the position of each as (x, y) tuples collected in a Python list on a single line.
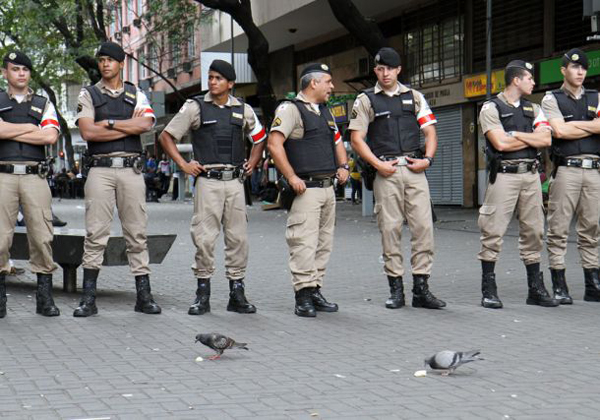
[(447, 361), (219, 343)]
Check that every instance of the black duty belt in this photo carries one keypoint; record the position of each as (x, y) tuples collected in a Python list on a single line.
[(401, 158), (585, 163), (222, 174), (311, 182), (114, 162), (520, 168), (20, 169)]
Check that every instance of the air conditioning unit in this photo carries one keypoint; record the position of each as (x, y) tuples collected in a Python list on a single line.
[(137, 23), (187, 66), (126, 30), (171, 73)]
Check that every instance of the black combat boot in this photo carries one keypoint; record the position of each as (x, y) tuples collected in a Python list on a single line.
[(592, 285), (237, 298), (559, 287), (144, 302), (44, 302), (202, 303), (396, 299), (304, 303), (538, 295), (422, 297), (489, 292), (320, 303), (2, 295), (87, 306)]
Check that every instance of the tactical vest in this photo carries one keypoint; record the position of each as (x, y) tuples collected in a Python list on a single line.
[(582, 109), (519, 119), (395, 129), (26, 112), (119, 108), (220, 137), (313, 154)]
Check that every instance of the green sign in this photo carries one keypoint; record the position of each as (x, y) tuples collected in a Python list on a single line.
[(550, 69)]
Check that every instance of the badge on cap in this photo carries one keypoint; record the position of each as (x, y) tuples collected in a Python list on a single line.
[(324, 67), (529, 66), (377, 57), (575, 57), (12, 56)]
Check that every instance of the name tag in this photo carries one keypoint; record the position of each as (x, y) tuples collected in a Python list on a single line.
[(506, 115), (36, 109), (592, 108), (236, 115), (407, 102), (131, 95), (209, 122), (528, 108)]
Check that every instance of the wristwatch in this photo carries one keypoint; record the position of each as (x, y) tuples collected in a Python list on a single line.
[(111, 124), (344, 166), (430, 159)]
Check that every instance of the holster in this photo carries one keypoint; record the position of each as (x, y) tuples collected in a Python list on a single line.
[(367, 172), (555, 158), (494, 161), (286, 193)]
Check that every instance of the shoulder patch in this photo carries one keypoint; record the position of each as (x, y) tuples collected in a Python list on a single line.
[(276, 122), (283, 106), (486, 106), (354, 113), (79, 108)]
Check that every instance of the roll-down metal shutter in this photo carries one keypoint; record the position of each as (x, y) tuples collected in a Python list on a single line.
[(446, 175)]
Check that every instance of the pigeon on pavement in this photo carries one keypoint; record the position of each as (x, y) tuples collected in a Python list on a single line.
[(447, 360), (219, 343)]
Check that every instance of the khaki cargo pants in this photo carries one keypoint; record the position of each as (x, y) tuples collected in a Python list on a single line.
[(220, 203), (404, 196), (33, 193), (105, 188), (309, 235), (574, 192), (510, 192)]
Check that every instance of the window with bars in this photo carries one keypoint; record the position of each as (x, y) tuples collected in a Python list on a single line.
[(142, 71), (140, 8), (175, 54), (191, 41), (130, 75), (152, 57), (434, 51)]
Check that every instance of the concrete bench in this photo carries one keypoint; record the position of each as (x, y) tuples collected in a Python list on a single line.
[(67, 250)]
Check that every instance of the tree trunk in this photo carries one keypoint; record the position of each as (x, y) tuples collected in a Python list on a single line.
[(258, 50), (64, 127), (365, 30)]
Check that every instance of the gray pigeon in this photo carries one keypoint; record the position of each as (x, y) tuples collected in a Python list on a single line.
[(219, 343), (447, 361)]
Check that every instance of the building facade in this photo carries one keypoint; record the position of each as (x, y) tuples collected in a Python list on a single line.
[(443, 50)]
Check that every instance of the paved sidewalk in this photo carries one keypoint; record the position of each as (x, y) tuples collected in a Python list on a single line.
[(358, 363)]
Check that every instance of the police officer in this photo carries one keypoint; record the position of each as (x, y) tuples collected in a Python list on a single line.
[(308, 150), (111, 115), (219, 124), (390, 115), (28, 123), (573, 113), (515, 130)]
